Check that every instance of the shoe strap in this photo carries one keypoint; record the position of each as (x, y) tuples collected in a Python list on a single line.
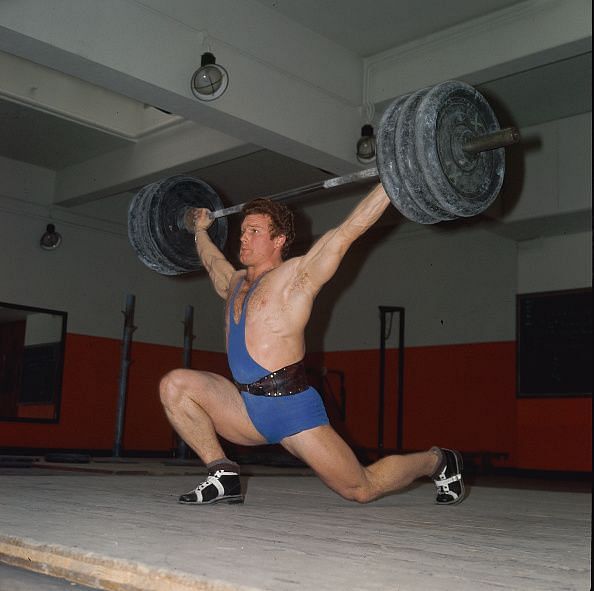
[(213, 479), (219, 473), (455, 478)]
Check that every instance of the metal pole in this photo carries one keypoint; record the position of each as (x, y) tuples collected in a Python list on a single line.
[(380, 412), (384, 310), (129, 328), (482, 143), (185, 221), (182, 448), (400, 411), (188, 336), (492, 141), (347, 179)]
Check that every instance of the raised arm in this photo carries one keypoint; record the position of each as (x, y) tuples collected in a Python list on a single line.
[(220, 270), (324, 257)]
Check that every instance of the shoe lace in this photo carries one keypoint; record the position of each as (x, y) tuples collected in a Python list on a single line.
[(210, 480)]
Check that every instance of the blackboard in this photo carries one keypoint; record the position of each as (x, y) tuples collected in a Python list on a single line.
[(554, 344)]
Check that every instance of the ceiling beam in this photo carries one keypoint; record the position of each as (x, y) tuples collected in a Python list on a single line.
[(303, 103), (50, 91), (174, 151)]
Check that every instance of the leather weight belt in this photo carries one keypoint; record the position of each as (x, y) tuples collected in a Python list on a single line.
[(286, 381)]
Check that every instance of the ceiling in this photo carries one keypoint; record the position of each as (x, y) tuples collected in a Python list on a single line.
[(47, 140), (33, 135), (367, 28)]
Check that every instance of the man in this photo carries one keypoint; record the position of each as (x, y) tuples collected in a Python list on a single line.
[(268, 306)]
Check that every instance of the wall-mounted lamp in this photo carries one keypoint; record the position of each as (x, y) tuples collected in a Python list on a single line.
[(210, 80), (50, 239), (366, 145)]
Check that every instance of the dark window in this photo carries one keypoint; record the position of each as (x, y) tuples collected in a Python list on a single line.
[(554, 338)]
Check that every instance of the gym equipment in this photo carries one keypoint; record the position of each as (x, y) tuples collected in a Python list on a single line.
[(440, 156), (125, 361)]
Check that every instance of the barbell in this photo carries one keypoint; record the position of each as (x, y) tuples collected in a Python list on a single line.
[(440, 156)]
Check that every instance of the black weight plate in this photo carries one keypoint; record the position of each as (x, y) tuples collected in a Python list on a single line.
[(138, 229), (449, 114), (388, 169), (154, 224), (172, 197), (142, 236), (406, 160)]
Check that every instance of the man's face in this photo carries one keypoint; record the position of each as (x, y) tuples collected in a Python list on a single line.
[(256, 244)]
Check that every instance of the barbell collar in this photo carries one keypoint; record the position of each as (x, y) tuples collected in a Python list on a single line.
[(492, 141)]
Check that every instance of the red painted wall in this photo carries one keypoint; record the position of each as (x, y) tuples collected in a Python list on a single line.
[(461, 396), (89, 398), (555, 433)]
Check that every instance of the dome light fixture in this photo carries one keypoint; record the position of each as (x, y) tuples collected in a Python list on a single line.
[(366, 145), (210, 80), (50, 239)]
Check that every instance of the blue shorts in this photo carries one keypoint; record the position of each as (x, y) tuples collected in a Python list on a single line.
[(277, 417)]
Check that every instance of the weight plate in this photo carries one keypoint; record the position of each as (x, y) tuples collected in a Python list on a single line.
[(388, 168), (448, 115), (172, 196), (143, 238), (406, 159), (155, 225), (138, 229)]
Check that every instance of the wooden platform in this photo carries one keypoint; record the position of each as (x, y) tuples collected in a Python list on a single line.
[(118, 526)]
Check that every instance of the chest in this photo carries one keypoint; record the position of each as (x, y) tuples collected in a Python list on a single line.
[(250, 301), (238, 301)]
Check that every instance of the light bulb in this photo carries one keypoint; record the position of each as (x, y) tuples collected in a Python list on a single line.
[(210, 80), (366, 145)]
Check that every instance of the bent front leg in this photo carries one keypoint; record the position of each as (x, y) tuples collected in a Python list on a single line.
[(200, 405)]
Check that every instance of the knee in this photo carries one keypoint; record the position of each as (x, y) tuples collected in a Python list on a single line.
[(363, 492), (172, 388)]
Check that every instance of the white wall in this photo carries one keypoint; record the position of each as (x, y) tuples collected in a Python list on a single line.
[(25, 181), (552, 173), (456, 287), (43, 328), (88, 277), (556, 263)]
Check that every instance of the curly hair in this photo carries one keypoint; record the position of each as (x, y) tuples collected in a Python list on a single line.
[(281, 219)]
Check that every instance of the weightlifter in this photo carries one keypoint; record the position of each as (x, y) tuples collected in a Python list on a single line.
[(268, 306)]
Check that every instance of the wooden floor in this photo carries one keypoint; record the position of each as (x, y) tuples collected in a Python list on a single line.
[(19, 579), (120, 527)]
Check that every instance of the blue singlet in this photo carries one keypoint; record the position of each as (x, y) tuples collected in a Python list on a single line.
[(274, 417)]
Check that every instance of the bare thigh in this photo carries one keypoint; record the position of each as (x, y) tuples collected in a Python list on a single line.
[(219, 399), (330, 457)]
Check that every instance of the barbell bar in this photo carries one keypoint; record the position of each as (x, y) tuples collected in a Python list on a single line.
[(490, 141), (347, 179), (440, 156)]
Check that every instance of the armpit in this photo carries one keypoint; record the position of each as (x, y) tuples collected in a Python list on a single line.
[(301, 282)]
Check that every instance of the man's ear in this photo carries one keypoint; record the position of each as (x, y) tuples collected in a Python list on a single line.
[(279, 241)]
